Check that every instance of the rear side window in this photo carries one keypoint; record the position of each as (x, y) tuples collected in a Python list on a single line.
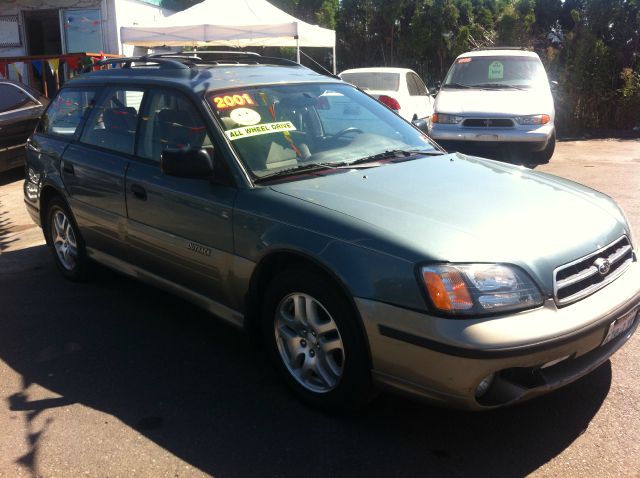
[(416, 85), (13, 98), (373, 80), (114, 120), (66, 111)]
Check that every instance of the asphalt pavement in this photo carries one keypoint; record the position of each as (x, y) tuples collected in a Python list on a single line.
[(113, 378)]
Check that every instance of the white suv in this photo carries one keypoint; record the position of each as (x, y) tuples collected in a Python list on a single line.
[(496, 96), (400, 89)]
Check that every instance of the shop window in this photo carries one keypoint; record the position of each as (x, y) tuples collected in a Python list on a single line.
[(83, 30)]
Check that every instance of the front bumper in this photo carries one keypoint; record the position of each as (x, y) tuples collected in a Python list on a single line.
[(444, 360), (536, 137)]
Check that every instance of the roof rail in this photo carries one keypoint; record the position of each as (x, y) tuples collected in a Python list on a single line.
[(127, 61), (223, 57), (501, 48), (182, 60)]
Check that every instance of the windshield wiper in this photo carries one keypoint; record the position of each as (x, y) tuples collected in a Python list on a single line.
[(497, 85), (311, 167), (392, 153), (303, 168), (455, 85)]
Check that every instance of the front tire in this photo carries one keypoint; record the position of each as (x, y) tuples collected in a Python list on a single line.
[(315, 341), (65, 241), (544, 156)]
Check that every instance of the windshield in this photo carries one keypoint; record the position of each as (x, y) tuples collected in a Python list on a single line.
[(496, 71), (284, 127), (372, 80)]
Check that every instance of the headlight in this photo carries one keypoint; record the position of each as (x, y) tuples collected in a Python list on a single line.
[(533, 119), (626, 219), (474, 289), (446, 119)]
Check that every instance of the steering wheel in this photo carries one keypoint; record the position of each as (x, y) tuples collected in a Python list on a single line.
[(350, 129)]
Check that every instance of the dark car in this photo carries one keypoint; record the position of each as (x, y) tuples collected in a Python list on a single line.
[(297, 206), (20, 109)]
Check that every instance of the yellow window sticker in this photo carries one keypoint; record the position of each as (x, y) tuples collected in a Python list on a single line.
[(248, 131), (496, 71), (245, 116)]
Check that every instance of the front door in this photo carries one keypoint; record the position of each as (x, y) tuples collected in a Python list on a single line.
[(179, 229)]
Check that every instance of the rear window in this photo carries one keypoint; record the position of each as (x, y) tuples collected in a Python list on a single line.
[(373, 81)]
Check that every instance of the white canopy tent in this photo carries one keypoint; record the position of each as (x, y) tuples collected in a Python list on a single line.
[(233, 23)]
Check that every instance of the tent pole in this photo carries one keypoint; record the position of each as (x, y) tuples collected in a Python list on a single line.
[(334, 59), (297, 49)]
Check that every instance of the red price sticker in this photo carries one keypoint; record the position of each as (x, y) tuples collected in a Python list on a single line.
[(233, 101), (464, 60)]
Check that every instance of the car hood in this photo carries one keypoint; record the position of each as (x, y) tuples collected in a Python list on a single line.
[(494, 102), (464, 209)]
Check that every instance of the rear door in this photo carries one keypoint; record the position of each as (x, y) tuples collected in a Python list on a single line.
[(93, 170), (179, 229), (60, 126)]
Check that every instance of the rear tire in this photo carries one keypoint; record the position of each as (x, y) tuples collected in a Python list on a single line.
[(314, 340), (65, 241)]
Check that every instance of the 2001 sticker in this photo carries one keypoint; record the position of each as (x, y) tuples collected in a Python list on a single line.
[(231, 101)]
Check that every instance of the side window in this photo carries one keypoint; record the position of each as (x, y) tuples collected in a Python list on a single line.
[(416, 85), (411, 85), (113, 122), (66, 111), (421, 87), (12, 98), (170, 121)]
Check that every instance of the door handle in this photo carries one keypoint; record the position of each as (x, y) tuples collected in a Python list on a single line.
[(139, 192), (68, 168)]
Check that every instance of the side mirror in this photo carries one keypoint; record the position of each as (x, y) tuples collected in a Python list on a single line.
[(420, 124), (192, 163)]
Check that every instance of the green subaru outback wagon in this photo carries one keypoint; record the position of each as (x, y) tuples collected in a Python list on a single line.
[(364, 256)]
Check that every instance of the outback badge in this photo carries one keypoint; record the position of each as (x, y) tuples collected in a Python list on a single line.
[(205, 251)]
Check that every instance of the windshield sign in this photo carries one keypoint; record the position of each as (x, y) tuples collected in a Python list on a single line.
[(284, 128)]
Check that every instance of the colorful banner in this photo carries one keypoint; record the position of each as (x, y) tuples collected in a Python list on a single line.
[(38, 66), (73, 62), (54, 64), (18, 71)]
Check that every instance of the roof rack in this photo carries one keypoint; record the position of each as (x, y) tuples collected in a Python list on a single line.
[(165, 63), (188, 59)]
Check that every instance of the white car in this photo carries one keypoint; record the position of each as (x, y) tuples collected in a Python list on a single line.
[(495, 98), (400, 89)]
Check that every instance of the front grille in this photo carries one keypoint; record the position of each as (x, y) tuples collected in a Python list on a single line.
[(488, 123), (578, 279)]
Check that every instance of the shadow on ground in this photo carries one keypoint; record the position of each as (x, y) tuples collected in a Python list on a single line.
[(5, 224), (197, 388)]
